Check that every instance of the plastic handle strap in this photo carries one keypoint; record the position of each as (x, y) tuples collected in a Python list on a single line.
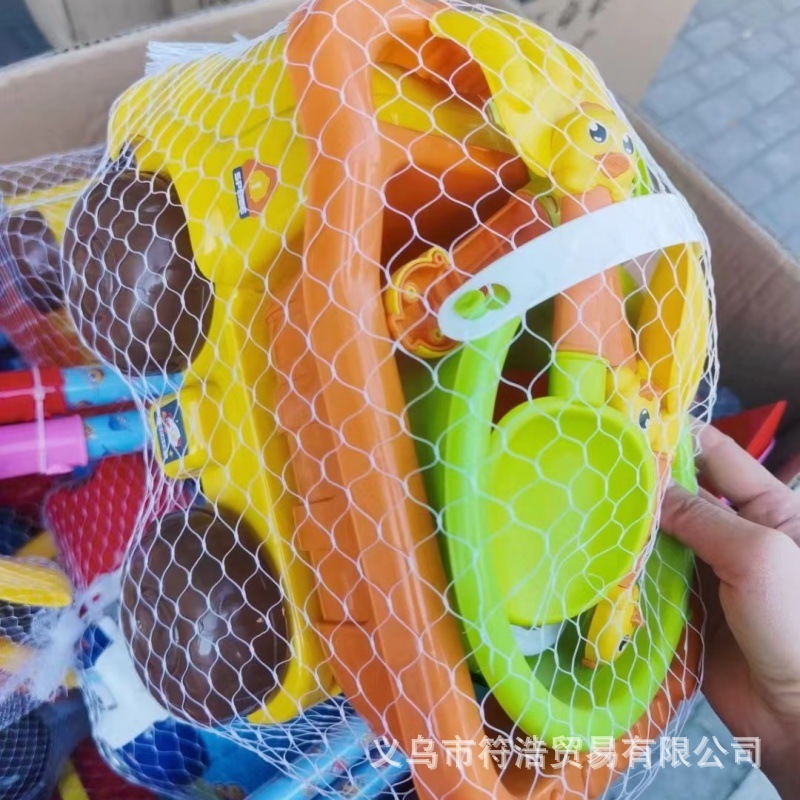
[(563, 257)]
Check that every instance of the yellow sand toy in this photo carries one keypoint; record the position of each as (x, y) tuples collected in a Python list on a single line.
[(26, 582), (70, 786), (217, 135), (30, 584)]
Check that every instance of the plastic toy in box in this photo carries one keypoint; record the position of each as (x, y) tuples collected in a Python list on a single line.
[(356, 224), (33, 316), (94, 522)]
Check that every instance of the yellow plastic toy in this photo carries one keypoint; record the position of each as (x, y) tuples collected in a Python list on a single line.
[(221, 131), (657, 391), (70, 786), (614, 621), (221, 145), (29, 584), (41, 545)]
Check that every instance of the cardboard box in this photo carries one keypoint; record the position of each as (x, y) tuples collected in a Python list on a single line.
[(627, 38), (60, 103), (66, 23)]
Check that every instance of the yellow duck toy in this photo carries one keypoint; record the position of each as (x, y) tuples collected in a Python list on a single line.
[(613, 623), (594, 150)]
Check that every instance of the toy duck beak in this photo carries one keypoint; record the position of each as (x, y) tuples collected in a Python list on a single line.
[(614, 164)]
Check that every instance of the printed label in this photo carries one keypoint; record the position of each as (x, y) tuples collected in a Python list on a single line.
[(170, 432), (238, 187), (253, 184)]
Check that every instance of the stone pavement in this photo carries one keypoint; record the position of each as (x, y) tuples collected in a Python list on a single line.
[(728, 94), (19, 37)]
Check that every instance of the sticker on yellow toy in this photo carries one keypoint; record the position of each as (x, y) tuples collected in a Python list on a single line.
[(171, 432), (254, 184)]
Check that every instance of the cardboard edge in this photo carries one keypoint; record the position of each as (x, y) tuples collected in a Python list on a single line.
[(38, 114), (755, 279)]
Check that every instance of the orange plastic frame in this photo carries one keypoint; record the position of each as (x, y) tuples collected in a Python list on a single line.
[(364, 521)]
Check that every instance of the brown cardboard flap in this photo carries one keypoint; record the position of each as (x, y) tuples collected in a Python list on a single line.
[(60, 102), (757, 285)]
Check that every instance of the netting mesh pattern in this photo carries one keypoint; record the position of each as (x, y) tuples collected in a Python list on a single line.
[(405, 328)]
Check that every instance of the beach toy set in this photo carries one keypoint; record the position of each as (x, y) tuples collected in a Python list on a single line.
[(396, 332)]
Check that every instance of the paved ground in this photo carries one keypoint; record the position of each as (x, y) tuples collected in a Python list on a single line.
[(729, 95), (19, 37)]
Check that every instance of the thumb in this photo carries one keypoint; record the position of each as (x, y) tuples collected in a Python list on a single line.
[(730, 545)]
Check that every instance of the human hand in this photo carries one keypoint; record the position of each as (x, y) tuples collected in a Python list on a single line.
[(751, 588)]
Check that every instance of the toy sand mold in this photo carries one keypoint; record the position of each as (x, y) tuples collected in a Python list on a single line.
[(310, 166)]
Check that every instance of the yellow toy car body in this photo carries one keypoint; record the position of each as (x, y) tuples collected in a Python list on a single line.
[(222, 131)]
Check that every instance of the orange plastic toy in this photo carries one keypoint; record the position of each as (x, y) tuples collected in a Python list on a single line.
[(417, 290)]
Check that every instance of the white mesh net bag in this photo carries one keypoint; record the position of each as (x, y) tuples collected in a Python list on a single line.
[(411, 328), (35, 201)]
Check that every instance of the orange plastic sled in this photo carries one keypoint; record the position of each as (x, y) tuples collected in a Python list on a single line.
[(363, 519)]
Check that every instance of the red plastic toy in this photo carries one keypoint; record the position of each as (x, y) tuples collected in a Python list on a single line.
[(754, 429), (93, 520)]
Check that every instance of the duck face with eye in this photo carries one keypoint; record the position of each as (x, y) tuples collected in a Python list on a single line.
[(593, 148), (630, 393)]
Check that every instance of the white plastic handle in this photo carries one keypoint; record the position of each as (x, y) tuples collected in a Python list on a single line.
[(567, 255)]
